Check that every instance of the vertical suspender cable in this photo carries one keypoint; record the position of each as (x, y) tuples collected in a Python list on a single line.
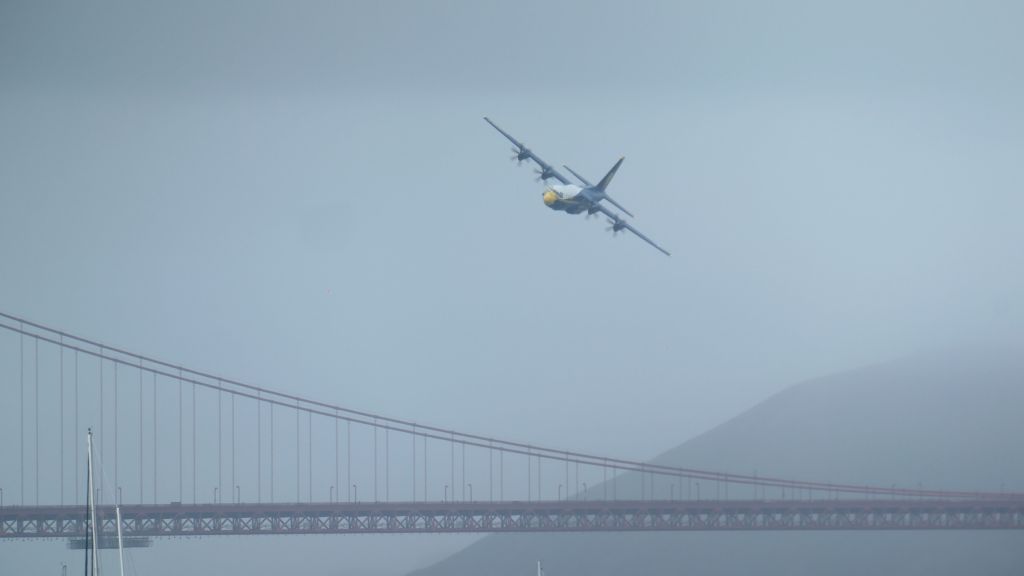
[(96, 499), (77, 501), (233, 485), (155, 476), (271, 451), (117, 487), (259, 448), (387, 464), (529, 475), (348, 457), (220, 443), (140, 432), (181, 442), (195, 458), (375, 499), (413, 462), (309, 423), (61, 345), (21, 363), (37, 419), (337, 485)]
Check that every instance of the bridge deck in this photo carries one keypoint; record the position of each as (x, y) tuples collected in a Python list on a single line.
[(546, 516)]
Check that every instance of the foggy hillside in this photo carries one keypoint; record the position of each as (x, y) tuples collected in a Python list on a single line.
[(945, 420)]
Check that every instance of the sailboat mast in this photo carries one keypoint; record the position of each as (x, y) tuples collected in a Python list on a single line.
[(120, 545), (88, 508), (92, 512)]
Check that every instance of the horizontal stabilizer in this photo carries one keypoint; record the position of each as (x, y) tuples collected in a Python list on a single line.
[(583, 180), (617, 205)]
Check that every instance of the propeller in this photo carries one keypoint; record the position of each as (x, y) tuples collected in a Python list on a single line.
[(544, 174), (519, 154), (616, 226)]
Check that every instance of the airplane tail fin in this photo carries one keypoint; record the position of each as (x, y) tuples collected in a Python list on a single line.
[(607, 180), (608, 177)]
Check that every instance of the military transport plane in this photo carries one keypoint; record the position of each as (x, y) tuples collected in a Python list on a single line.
[(572, 198)]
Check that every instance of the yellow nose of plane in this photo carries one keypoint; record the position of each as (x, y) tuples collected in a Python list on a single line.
[(550, 197)]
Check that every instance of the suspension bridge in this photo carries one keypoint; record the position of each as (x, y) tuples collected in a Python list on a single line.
[(188, 453)]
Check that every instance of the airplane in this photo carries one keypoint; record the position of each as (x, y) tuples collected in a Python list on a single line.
[(572, 198)]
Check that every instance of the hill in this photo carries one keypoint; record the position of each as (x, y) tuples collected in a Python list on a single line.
[(945, 420)]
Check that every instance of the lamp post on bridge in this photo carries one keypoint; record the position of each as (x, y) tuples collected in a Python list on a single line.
[(118, 495), (584, 491), (214, 494), (470, 484), (697, 482), (238, 494), (559, 492), (445, 493), (355, 493), (332, 494)]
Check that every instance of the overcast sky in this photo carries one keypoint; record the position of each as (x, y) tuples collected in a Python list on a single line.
[(305, 196)]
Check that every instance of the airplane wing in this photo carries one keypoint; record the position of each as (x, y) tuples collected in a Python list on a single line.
[(619, 223), (524, 153)]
